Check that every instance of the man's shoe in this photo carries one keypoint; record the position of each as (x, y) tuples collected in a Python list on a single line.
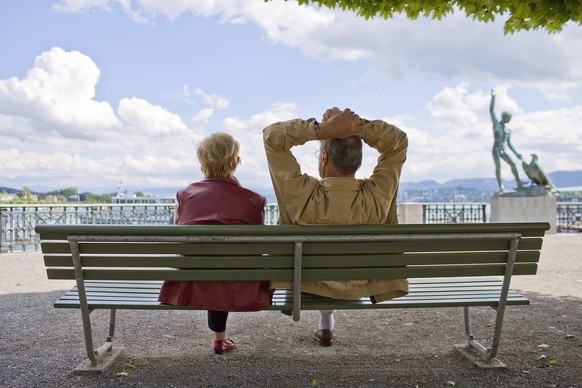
[(223, 346), (289, 313), (323, 337)]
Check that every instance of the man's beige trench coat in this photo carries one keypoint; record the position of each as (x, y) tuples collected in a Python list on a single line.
[(306, 200)]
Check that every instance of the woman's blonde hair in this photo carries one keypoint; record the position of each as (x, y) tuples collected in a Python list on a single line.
[(218, 155)]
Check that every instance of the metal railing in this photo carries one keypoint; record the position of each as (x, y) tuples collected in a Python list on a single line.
[(569, 217), (452, 213), (17, 222)]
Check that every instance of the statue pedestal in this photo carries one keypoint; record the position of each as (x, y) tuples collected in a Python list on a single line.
[(410, 213), (513, 208)]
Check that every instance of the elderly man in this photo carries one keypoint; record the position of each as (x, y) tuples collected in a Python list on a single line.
[(338, 197)]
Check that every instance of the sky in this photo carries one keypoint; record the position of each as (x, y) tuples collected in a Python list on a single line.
[(100, 94)]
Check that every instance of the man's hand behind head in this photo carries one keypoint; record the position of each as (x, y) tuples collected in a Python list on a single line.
[(330, 112), (338, 124)]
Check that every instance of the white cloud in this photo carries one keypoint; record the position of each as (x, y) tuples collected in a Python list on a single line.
[(68, 169), (76, 6), (54, 132), (146, 119), (213, 100), (455, 47), (203, 116), (58, 94), (454, 108), (253, 170)]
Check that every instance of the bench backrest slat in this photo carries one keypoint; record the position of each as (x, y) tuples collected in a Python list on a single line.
[(287, 274), (311, 248), (309, 261), (61, 232)]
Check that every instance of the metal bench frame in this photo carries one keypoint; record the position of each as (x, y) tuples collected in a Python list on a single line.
[(488, 353)]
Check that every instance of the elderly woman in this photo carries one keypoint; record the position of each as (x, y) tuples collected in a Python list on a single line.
[(218, 199)]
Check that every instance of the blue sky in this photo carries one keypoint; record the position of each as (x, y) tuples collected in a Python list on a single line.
[(98, 92)]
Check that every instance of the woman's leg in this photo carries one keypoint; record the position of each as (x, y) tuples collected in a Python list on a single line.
[(217, 323)]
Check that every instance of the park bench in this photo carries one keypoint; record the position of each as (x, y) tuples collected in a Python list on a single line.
[(448, 265)]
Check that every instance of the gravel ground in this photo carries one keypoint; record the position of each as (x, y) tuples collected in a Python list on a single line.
[(542, 343)]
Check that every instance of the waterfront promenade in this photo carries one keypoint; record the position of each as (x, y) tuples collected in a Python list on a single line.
[(542, 343)]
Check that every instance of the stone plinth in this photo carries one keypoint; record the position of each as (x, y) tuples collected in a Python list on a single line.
[(523, 209), (410, 213)]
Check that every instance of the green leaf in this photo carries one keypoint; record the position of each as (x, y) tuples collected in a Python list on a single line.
[(551, 15)]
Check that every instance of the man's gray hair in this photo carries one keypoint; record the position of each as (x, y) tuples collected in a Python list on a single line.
[(345, 154)]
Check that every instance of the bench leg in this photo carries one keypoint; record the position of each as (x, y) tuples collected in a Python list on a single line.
[(96, 360), (85, 316), (96, 356), (487, 353), (111, 325), (108, 345)]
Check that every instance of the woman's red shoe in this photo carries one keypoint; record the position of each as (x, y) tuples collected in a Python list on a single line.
[(223, 346)]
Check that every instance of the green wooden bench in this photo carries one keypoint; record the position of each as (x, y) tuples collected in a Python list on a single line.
[(448, 265)]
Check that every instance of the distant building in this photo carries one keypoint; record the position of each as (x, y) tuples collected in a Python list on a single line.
[(7, 197), (570, 194), (131, 199), (84, 196), (55, 198)]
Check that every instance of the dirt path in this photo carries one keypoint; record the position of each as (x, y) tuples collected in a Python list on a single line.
[(542, 343)]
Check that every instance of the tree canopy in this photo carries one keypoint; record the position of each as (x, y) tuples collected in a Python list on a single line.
[(550, 15)]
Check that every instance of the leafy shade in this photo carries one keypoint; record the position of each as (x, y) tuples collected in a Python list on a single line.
[(550, 15)]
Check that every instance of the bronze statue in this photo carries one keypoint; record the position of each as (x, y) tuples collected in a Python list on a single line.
[(502, 136), (536, 173)]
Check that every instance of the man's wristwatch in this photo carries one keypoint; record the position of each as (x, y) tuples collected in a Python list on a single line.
[(317, 128)]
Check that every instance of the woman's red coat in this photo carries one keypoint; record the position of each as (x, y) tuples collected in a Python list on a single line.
[(218, 200)]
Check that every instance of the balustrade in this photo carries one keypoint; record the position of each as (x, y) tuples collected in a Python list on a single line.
[(452, 213), (569, 217), (17, 222)]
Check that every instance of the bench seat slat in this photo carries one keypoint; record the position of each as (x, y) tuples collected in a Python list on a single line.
[(419, 290), (450, 293), (283, 299), (100, 297), (414, 283)]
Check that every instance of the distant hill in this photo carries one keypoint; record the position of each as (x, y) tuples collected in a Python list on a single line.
[(559, 178), (8, 190), (485, 185), (566, 178)]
